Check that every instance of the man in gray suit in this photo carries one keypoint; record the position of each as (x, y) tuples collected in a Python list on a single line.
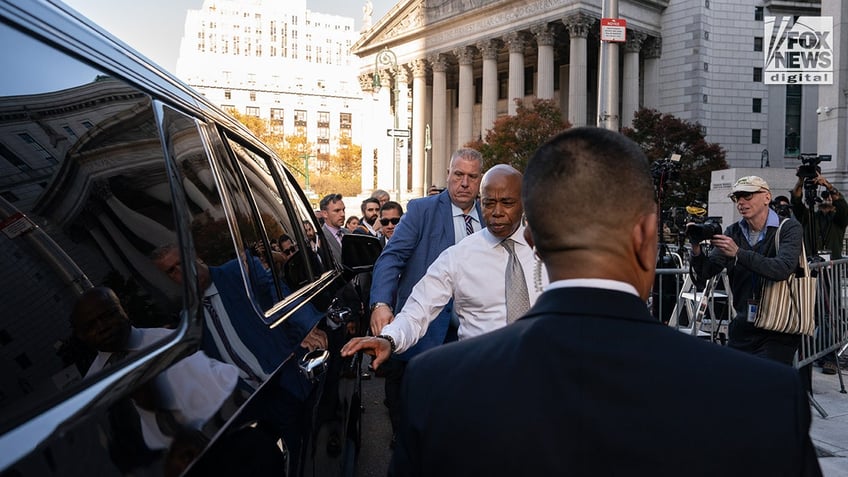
[(333, 209)]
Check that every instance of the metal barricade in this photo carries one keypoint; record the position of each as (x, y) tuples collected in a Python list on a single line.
[(831, 333)]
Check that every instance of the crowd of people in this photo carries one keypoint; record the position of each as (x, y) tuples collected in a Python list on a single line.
[(508, 320)]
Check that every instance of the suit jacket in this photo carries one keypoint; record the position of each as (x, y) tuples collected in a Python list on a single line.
[(588, 383), (330, 240), (425, 230)]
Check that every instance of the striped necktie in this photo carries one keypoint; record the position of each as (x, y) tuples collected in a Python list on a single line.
[(469, 226), (517, 297), (237, 359)]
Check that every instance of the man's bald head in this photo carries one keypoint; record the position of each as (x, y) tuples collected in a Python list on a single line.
[(585, 192), (501, 200), (99, 320)]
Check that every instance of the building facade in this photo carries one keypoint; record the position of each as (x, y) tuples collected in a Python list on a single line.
[(460, 64), (278, 61)]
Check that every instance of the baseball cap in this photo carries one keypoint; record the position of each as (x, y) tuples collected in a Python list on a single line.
[(749, 184)]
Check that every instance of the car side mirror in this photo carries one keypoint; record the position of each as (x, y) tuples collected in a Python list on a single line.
[(360, 252)]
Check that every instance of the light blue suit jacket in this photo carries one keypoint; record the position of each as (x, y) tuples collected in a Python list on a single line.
[(425, 230)]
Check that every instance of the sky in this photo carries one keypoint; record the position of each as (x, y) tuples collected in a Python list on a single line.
[(155, 27)]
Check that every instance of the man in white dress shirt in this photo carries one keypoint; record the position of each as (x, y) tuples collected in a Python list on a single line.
[(480, 293)]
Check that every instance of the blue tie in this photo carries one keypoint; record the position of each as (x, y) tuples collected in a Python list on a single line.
[(469, 227)]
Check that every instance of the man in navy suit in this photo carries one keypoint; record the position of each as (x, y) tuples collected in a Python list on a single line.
[(430, 225), (588, 382)]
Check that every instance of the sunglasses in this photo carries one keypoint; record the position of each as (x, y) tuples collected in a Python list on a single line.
[(743, 195), (290, 251), (394, 221)]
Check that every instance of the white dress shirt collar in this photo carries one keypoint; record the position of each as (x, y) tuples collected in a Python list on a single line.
[(594, 283)]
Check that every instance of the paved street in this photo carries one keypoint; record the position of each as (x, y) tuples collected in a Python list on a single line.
[(830, 434), (376, 431)]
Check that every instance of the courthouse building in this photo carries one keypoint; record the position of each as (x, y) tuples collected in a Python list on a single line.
[(451, 67), (278, 61)]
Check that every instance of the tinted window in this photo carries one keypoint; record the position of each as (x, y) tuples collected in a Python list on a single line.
[(84, 197)]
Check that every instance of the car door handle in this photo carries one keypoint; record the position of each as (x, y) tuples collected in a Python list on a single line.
[(314, 364)]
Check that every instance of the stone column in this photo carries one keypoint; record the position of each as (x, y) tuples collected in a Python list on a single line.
[(402, 111), (516, 43), (366, 83), (419, 123), (630, 88), (651, 87), (440, 120), (578, 29), (384, 120), (465, 57), (489, 107), (545, 66)]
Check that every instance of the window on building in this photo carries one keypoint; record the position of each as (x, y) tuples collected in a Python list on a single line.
[(758, 43), (87, 124), (324, 117), (252, 111), (706, 66), (529, 73), (228, 94), (704, 99), (792, 140), (253, 95), (757, 105), (40, 151), (706, 35), (277, 123), (503, 85), (758, 14), (755, 136), (758, 74)]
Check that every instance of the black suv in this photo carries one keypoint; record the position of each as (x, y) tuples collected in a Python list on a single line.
[(168, 304)]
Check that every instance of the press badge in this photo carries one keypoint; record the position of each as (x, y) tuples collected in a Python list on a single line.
[(752, 311)]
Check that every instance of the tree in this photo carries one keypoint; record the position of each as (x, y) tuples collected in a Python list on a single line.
[(660, 136), (513, 139), (342, 172)]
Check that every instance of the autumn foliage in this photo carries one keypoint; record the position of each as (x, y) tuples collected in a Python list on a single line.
[(661, 135), (513, 139)]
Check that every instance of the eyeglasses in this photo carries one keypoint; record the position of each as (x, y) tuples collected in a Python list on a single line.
[(743, 195), (394, 221), (290, 251)]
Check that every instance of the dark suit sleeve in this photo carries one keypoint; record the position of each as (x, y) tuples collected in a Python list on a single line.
[(393, 260), (809, 460), (406, 456)]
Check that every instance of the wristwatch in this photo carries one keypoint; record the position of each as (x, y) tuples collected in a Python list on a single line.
[(379, 304), (390, 340)]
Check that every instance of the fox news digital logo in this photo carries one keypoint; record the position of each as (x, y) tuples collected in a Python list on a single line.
[(799, 52)]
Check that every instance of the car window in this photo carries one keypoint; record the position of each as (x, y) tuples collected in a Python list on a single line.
[(84, 198)]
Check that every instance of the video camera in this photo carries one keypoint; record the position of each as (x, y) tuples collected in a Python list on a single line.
[(808, 170), (699, 226), (809, 167)]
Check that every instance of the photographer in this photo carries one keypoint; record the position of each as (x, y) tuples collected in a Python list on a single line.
[(824, 229), (829, 217), (748, 253)]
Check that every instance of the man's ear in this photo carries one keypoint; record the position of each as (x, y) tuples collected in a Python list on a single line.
[(528, 236), (645, 241)]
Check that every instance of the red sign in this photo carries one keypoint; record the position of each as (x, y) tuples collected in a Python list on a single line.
[(614, 29)]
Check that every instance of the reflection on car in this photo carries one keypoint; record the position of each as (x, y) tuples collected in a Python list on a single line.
[(114, 362)]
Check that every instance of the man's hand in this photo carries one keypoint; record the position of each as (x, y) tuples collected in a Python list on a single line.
[(725, 245), (380, 348), (314, 340), (380, 317)]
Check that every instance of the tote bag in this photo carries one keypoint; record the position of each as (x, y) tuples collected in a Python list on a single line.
[(788, 306)]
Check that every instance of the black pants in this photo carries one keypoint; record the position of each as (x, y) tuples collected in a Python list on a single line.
[(773, 345)]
